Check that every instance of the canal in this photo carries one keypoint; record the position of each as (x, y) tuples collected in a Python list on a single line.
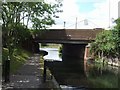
[(80, 76)]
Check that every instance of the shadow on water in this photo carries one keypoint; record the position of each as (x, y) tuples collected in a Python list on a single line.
[(77, 75)]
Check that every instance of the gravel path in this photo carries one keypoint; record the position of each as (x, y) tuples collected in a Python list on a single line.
[(27, 77)]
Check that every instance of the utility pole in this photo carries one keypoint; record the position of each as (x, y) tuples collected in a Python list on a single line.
[(64, 24), (76, 24)]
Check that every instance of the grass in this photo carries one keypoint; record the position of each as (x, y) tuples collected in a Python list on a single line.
[(18, 59), (103, 82), (106, 80), (51, 46), (0, 58)]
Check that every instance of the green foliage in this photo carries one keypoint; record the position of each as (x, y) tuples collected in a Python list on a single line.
[(102, 77), (60, 51), (104, 42), (108, 42), (116, 35), (104, 82), (16, 17), (4, 54)]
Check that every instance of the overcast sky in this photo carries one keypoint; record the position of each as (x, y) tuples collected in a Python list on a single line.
[(96, 12)]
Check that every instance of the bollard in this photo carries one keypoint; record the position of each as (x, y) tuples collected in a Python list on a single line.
[(44, 73), (7, 70)]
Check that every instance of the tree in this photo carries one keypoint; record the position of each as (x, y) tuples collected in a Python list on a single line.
[(103, 44), (107, 43), (116, 36), (16, 17)]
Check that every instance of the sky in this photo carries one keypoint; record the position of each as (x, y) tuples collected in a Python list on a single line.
[(98, 14)]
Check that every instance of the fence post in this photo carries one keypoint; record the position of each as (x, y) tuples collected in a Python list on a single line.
[(7, 70), (44, 73)]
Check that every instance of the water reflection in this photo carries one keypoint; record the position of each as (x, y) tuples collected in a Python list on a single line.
[(79, 75), (53, 54), (102, 76)]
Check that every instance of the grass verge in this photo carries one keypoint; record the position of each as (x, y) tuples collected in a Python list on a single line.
[(18, 59)]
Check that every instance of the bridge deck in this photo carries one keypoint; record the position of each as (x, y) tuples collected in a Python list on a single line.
[(67, 35)]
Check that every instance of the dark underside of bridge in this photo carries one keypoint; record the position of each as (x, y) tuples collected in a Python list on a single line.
[(73, 52)]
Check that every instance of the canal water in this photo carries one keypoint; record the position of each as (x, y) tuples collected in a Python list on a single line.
[(72, 76)]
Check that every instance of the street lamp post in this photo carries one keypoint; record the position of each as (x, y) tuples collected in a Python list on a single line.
[(119, 9), (109, 13)]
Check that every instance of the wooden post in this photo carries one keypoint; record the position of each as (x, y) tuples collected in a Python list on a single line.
[(7, 70), (44, 73)]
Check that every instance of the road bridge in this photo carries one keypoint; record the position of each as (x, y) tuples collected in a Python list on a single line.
[(74, 40), (72, 36)]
